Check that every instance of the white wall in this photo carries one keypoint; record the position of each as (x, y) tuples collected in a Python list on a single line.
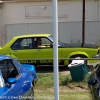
[(33, 12), (68, 31), (0, 26), (14, 14)]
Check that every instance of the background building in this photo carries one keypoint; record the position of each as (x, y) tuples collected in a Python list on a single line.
[(35, 16)]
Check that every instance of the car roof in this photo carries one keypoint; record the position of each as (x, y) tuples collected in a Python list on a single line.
[(33, 35)]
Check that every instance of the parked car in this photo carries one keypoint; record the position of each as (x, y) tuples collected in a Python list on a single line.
[(16, 81), (23, 49), (94, 81)]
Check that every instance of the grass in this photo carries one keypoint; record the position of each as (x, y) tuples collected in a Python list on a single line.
[(47, 80), (68, 90), (49, 95)]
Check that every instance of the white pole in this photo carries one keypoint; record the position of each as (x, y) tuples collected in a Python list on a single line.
[(55, 49)]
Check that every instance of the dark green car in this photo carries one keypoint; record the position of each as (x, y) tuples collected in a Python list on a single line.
[(94, 83)]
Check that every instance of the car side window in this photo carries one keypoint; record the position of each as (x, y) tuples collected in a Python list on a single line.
[(8, 69), (44, 41), (26, 43), (23, 43)]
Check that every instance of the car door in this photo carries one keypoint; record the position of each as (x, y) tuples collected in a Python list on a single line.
[(44, 55), (22, 84), (21, 87), (23, 49)]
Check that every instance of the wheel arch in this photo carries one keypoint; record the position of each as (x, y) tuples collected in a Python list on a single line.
[(76, 54)]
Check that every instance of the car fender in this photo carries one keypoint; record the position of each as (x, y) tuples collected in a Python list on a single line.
[(66, 62), (77, 53), (33, 71), (98, 48), (30, 68)]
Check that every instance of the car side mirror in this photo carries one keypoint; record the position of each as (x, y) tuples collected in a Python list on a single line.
[(51, 45), (92, 81), (11, 81)]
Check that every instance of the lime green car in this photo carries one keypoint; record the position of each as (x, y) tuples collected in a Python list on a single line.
[(24, 50)]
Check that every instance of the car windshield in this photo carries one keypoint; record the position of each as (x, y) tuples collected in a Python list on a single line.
[(51, 38)]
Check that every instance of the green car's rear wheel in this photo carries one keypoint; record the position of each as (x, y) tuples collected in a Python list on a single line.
[(75, 56)]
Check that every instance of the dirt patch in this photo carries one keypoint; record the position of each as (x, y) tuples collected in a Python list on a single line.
[(64, 89), (72, 89), (64, 72)]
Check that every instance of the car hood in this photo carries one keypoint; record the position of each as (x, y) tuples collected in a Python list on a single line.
[(78, 45)]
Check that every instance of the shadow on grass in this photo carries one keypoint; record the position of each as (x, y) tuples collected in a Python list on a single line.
[(66, 80), (47, 80)]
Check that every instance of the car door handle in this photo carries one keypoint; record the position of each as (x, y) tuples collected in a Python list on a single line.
[(15, 50), (37, 50)]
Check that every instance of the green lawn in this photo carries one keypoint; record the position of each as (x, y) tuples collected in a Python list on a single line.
[(68, 90)]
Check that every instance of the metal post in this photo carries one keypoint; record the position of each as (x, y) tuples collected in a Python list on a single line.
[(83, 24), (55, 49)]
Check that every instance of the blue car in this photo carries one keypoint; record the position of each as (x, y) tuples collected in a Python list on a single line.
[(17, 80)]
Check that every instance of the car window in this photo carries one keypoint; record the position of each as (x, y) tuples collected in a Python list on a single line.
[(45, 41), (8, 69), (23, 43), (26, 43)]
